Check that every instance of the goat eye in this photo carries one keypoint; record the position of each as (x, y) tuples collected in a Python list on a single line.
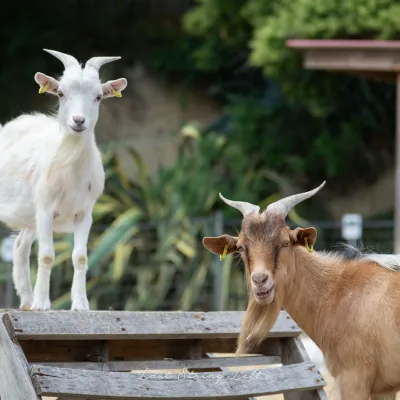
[(99, 97), (285, 244), (240, 249), (60, 94)]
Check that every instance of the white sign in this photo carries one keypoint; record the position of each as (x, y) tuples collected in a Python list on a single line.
[(352, 226), (7, 248)]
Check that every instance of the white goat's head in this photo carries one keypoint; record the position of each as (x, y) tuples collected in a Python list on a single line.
[(80, 91)]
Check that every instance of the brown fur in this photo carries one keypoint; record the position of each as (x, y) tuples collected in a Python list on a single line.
[(349, 308)]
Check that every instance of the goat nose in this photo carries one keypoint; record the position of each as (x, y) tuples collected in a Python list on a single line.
[(79, 119), (259, 278)]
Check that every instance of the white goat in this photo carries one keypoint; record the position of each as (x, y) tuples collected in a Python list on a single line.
[(51, 176)]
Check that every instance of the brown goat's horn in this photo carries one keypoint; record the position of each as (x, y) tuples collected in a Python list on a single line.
[(243, 207), (284, 206), (66, 59)]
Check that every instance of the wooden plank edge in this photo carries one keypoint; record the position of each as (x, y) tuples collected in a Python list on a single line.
[(204, 363), (15, 381)]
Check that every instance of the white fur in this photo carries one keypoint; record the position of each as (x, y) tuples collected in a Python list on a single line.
[(389, 261), (51, 176)]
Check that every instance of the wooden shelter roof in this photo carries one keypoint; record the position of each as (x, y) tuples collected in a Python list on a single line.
[(374, 59)]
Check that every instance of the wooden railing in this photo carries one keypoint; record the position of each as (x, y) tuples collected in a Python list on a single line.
[(148, 355)]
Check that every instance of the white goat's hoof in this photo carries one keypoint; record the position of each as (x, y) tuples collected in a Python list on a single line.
[(25, 307), (41, 305), (26, 303), (80, 305)]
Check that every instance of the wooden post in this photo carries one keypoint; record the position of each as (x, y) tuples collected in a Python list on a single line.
[(217, 266), (15, 382), (397, 175), (293, 352)]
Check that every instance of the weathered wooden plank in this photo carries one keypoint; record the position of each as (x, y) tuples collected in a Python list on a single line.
[(218, 385), (293, 352), (15, 381), (204, 363), (55, 325), (226, 369)]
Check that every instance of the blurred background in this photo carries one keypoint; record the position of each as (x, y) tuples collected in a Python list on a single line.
[(216, 102)]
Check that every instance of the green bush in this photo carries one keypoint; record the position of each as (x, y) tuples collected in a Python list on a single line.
[(307, 125)]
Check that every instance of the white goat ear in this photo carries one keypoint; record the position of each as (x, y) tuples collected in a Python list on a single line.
[(46, 83), (114, 88)]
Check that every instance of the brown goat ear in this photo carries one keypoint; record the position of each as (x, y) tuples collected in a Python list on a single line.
[(301, 235), (217, 244)]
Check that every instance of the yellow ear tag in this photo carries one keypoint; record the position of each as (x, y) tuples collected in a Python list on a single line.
[(44, 88), (309, 248), (223, 255), (116, 94)]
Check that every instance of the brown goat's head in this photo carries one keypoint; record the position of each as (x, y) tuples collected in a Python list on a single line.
[(265, 243)]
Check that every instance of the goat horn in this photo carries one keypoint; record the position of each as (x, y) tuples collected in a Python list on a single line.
[(283, 206), (66, 59), (243, 207), (97, 62)]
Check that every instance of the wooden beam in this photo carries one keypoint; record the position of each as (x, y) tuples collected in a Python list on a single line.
[(119, 325), (382, 60), (217, 385), (355, 44), (15, 381)]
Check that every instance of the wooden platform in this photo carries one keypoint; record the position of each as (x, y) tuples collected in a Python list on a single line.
[(148, 355)]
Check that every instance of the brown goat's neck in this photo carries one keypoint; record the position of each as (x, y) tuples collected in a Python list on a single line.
[(311, 278)]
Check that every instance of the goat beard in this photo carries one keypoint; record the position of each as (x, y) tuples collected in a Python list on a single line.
[(68, 152), (257, 322)]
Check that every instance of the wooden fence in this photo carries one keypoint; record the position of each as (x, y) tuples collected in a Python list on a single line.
[(114, 355)]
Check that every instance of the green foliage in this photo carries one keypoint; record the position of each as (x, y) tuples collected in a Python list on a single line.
[(355, 19), (305, 124), (145, 250), (319, 19), (83, 29), (222, 29), (210, 163), (298, 124)]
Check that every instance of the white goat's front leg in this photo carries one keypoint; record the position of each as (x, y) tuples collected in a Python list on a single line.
[(79, 259), (21, 267), (44, 230)]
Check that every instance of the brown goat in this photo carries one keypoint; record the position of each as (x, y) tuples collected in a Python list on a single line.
[(348, 303)]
